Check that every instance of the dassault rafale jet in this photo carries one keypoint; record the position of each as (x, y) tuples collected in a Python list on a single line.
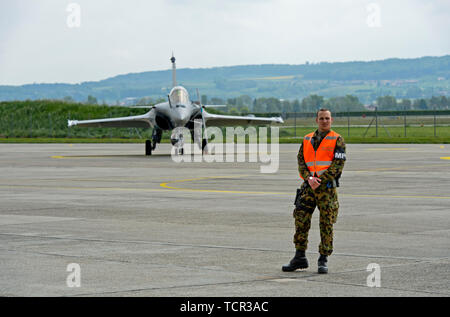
[(178, 111)]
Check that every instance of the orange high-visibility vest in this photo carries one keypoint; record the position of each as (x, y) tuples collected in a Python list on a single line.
[(319, 161)]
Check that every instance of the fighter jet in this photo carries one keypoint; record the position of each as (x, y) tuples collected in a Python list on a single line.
[(177, 111)]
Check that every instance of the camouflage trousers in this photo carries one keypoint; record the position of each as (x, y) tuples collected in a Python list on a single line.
[(327, 202)]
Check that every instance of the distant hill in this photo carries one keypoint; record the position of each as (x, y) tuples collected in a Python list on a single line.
[(402, 78)]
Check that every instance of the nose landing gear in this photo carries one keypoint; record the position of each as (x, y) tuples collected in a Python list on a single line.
[(177, 140)]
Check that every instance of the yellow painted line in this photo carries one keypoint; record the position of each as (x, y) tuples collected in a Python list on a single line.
[(445, 158), (395, 196), (401, 168), (389, 149), (85, 188), (142, 155), (164, 185), (210, 191), (202, 178), (84, 156)]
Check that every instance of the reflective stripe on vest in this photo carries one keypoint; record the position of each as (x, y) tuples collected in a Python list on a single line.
[(319, 161)]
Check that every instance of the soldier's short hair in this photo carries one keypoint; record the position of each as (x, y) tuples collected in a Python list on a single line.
[(322, 109)]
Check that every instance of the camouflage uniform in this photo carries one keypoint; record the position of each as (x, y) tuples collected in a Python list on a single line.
[(324, 197)]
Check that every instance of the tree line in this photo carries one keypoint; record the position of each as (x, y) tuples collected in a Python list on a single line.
[(48, 118), (244, 104), (391, 103)]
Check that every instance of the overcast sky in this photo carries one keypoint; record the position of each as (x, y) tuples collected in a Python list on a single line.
[(40, 41)]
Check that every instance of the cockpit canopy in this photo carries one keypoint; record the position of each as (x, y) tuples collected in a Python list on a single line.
[(179, 95)]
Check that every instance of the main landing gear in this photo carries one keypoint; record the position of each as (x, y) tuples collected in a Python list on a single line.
[(176, 140), (150, 145)]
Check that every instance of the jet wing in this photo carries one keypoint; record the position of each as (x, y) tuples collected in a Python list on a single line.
[(141, 121), (225, 120)]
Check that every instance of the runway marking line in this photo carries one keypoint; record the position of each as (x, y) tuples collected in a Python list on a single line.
[(165, 185), (89, 156), (400, 168), (210, 191), (86, 188), (142, 155), (389, 149), (395, 196)]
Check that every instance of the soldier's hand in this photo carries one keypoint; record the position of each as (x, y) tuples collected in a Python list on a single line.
[(314, 182)]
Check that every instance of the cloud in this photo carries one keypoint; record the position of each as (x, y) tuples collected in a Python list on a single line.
[(136, 35)]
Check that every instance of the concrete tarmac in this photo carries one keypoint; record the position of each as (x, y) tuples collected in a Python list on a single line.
[(139, 225)]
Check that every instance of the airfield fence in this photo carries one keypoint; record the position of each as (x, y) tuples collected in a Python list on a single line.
[(395, 124), (430, 123)]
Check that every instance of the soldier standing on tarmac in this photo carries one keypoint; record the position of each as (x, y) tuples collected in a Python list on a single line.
[(321, 160)]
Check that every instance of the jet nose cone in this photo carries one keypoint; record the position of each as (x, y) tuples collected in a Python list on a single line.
[(180, 117)]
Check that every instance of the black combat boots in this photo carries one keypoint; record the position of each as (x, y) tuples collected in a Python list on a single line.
[(322, 264), (298, 262)]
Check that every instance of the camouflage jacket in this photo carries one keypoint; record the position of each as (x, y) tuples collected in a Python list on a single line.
[(337, 165)]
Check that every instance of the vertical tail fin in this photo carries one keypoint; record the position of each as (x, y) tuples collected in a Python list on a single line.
[(174, 70)]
